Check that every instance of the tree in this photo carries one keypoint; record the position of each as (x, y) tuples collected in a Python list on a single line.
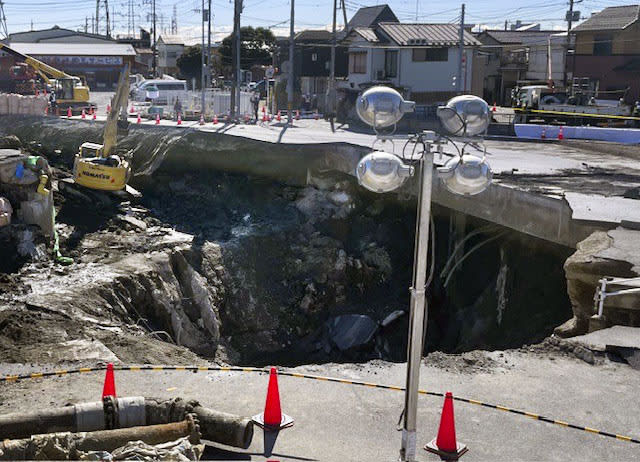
[(256, 47), (190, 63)]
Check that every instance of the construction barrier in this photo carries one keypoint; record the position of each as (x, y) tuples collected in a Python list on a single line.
[(11, 103), (532, 415)]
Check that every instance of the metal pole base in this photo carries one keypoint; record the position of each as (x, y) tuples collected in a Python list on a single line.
[(408, 449)]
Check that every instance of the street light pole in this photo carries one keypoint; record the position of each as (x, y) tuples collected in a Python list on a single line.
[(418, 309), (290, 85)]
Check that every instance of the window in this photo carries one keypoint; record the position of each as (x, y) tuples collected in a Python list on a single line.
[(430, 54), (603, 45), (358, 63), (391, 63)]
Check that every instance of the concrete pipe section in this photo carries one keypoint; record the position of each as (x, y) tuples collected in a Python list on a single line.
[(114, 413)]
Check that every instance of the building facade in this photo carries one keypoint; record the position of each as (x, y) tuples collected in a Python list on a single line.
[(607, 53), (169, 49), (97, 59), (519, 57), (420, 60)]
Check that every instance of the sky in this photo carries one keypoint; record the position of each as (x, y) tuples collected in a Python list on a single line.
[(310, 14)]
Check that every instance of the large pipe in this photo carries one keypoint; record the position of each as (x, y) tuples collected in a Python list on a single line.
[(219, 427), (67, 445)]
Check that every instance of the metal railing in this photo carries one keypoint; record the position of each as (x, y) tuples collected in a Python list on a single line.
[(629, 286)]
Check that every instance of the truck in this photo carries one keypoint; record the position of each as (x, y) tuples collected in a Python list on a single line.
[(543, 104), (70, 91), (20, 79)]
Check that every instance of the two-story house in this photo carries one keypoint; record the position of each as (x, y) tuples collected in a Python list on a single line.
[(607, 52), (516, 57), (420, 60), (169, 49)]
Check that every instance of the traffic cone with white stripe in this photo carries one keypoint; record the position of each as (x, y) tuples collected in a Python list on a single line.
[(138, 119), (201, 120), (445, 444), (272, 418), (69, 114), (494, 108), (93, 114), (157, 119), (560, 134), (84, 115), (108, 108), (215, 120), (179, 119), (278, 117), (297, 114)]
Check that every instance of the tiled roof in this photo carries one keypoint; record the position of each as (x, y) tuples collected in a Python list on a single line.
[(612, 18), (367, 33), (370, 15), (426, 34), (518, 37)]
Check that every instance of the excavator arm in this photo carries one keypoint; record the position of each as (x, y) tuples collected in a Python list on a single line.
[(119, 102)]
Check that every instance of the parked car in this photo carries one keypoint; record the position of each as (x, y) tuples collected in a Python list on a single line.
[(167, 91)]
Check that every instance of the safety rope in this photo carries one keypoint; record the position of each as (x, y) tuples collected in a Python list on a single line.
[(532, 415)]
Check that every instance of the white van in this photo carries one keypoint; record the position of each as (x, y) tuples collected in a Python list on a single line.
[(168, 91)]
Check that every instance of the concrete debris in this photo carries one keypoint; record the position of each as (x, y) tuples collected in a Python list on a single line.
[(133, 222), (75, 446), (5, 211), (180, 450)]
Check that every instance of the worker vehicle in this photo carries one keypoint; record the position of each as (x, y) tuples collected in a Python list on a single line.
[(543, 104), (168, 90), (70, 91), (99, 166), (20, 79)]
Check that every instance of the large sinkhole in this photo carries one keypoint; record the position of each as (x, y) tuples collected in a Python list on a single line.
[(293, 273), (322, 272)]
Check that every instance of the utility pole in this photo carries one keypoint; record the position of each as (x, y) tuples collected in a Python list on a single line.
[(86, 24), (97, 16), (331, 92), (290, 86), (202, 72), (3, 21), (154, 62), (208, 70), (344, 14), (461, 57), (417, 8), (106, 11), (568, 44), (235, 88)]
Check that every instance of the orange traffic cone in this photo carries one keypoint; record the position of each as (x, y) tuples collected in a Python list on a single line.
[(69, 114), (93, 114), (138, 119), (543, 135), (37, 92), (108, 108), (109, 388), (132, 110), (278, 117), (264, 116), (201, 120), (560, 134), (445, 445), (272, 418), (179, 119), (157, 119), (84, 116), (494, 108), (215, 120)]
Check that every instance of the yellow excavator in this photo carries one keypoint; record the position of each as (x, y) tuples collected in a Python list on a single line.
[(97, 166), (70, 91)]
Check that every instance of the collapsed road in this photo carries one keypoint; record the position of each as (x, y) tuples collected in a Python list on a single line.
[(288, 263)]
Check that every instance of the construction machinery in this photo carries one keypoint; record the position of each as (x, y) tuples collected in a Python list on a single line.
[(19, 79), (98, 166), (70, 91), (543, 104)]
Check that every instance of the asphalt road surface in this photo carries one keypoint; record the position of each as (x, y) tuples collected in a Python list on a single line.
[(339, 422)]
